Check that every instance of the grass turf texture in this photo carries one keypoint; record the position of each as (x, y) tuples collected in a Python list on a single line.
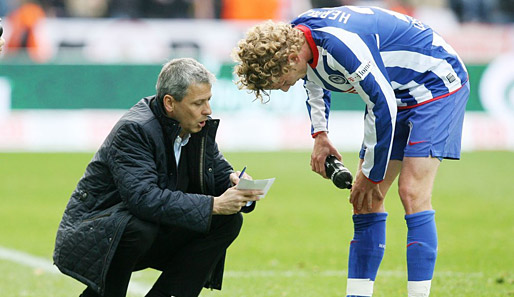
[(296, 241)]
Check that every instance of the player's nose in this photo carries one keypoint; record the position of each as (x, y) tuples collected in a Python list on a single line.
[(285, 88)]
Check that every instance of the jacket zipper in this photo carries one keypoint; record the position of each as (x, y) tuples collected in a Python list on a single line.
[(202, 188), (111, 241), (202, 152)]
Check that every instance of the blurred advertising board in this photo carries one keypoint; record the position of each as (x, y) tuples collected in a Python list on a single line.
[(71, 101)]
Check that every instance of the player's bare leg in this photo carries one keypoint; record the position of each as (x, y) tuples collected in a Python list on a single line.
[(393, 169), (416, 182), (415, 188)]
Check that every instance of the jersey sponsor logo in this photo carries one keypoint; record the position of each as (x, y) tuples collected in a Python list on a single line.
[(361, 72), (337, 79)]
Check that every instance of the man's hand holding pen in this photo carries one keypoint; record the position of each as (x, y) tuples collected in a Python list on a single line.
[(233, 199)]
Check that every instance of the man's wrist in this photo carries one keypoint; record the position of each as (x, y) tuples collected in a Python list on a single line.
[(314, 135), (213, 205)]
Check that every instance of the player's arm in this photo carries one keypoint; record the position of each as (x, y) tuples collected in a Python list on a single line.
[(379, 122), (355, 58), (318, 106)]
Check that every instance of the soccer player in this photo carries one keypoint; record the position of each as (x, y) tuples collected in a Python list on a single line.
[(415, 88)]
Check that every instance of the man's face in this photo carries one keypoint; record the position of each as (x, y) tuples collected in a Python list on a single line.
[(192, 111), (297, 72)]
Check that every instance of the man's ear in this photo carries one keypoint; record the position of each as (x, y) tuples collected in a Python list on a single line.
[(293, 58), (169, 103)]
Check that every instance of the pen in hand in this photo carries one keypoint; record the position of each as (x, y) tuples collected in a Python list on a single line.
[(242, 172), (241, 175)]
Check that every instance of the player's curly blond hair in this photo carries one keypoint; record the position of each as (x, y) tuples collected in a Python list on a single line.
[(262, 56)]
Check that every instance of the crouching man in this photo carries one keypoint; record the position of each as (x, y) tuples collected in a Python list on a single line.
[(157, 194)]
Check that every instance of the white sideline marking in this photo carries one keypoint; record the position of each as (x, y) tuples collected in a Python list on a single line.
[(139, 288), (27, 260), (46, 265)]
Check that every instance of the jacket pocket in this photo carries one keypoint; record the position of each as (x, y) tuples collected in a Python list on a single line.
[(97, 217)]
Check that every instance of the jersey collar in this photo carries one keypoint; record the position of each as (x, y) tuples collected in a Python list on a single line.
[(310, 41)]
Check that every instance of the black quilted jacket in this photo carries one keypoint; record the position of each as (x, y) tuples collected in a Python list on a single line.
[(134, 174)]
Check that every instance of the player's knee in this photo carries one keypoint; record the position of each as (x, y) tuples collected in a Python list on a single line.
[(410, 193), (405, 193), (414, 200)]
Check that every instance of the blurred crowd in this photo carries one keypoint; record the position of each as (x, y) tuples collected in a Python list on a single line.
[(23, 16), (484, 11)]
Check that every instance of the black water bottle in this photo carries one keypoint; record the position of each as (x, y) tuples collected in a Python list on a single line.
[(340, 175)]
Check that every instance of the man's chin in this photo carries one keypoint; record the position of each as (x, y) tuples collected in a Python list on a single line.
[(195, 130)]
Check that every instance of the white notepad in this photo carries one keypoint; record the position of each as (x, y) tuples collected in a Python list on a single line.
[(258, 184)]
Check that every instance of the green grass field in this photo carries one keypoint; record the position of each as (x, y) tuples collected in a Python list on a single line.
[(296, 241)]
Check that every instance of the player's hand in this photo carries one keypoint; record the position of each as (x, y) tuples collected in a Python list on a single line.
[(363, 193), (233, 200), (322, 148)]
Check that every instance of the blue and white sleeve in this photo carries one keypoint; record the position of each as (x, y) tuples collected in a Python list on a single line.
[(359, 60), (318, 106)]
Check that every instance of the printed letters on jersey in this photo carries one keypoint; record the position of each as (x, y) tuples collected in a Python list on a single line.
[(361, 72)]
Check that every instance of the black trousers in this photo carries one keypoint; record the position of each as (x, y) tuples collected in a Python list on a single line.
[(185, 258)]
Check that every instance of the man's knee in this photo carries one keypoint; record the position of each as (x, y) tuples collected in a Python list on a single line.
[(234, 223), (406, 192), (139, 235), (229, 224), (413, 199)]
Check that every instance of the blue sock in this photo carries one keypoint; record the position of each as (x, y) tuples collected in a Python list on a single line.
[(366, 253), (421, 245)]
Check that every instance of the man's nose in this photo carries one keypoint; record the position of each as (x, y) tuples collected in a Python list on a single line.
[(207, 110)]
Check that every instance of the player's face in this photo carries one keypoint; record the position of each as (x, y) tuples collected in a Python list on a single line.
[(192, 111), (286, 81)]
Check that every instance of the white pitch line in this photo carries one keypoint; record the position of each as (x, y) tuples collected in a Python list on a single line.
[(139, 288), (46, 265), (27, 260)]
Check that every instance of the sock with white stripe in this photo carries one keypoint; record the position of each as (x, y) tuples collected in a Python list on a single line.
[(366, 253), (421, 252)]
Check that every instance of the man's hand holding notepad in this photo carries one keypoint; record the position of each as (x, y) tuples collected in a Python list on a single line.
[(258, 184)]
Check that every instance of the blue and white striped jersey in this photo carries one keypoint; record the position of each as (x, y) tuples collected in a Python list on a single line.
[(391, 60)]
